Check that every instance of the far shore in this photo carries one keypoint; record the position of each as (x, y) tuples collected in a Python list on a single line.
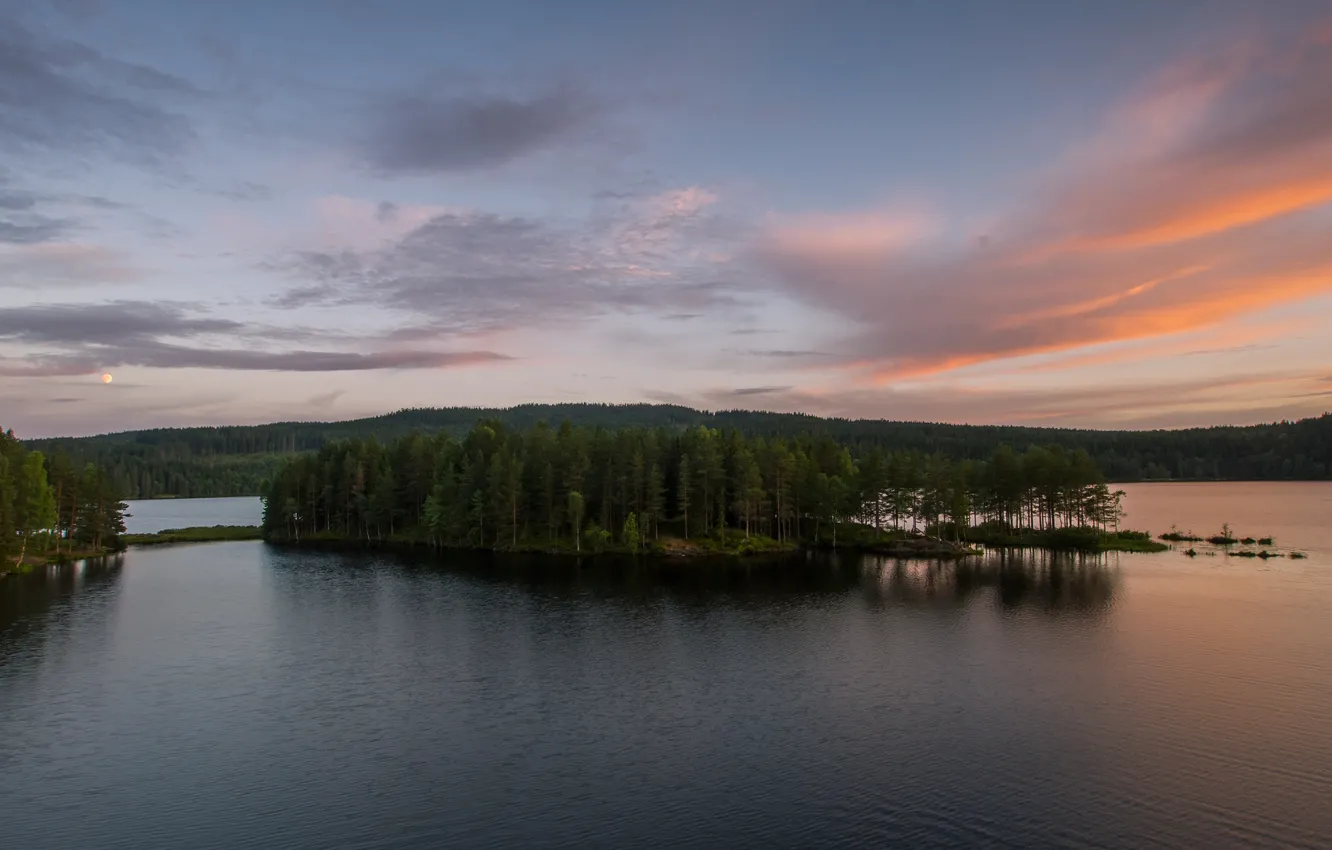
[(194, 534)]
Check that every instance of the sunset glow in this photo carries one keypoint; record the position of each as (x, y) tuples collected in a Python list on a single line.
[(723, 214)]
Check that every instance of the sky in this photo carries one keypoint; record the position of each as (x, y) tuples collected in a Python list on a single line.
[(1037, 212)]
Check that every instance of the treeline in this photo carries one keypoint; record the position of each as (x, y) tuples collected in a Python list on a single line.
[(590, 487), (231, 461), (50, 506)]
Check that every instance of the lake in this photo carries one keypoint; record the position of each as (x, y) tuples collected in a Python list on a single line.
[(238, 696), (149, 516)]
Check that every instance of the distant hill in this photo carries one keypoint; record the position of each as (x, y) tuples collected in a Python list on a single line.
[(233, 460)]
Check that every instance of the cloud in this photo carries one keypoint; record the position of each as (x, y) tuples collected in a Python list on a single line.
[(43, 263), (163, 356), (1139, 403), (1213, 215), (859, 234), (12, 200), (421, 134), (470, 270), (324, 401), (357, 224), (748, 391), (35, 229), (784, 353), (80, 339), (58, 94), (20, 222), (245, 190)]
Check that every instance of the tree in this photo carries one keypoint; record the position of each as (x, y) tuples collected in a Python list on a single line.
[(506, 479), (436, 514), (576, 506), (749, 490), (630, 536), (34, 501), (101, 513), (8, 521), (656, 500), (683, 482)]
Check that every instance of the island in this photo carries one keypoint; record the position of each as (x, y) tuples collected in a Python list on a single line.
[(687, 491)]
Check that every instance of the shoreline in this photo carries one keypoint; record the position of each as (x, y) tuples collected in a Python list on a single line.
[(918, 547), (194, 534), (34, 562), (733, 546)]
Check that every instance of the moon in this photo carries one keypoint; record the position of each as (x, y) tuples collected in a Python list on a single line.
[(106, 377)]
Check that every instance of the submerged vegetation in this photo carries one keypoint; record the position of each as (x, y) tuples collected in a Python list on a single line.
[(194, 534), (1224, 540), (1174, 535), (52, 511), (584, 489)]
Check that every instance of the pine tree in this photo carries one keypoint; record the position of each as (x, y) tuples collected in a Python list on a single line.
[(576, 517), (683, 483), (656, 499), (630, 536), (34, 502), (8, 521)]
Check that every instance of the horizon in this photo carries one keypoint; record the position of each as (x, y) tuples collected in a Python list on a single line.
[(556, 423), (1106, 217)]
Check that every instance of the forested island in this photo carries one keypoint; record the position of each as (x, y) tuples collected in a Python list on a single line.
[(695, 490), (53, 510), (233, 461)]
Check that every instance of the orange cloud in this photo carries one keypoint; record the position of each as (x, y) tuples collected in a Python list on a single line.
[(1220, 216), (1208, 215), (1258, 396)]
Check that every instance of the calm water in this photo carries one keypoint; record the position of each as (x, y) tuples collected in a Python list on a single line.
[(231, 695), (148, 516)]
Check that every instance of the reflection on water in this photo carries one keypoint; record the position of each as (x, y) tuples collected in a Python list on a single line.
[(32, 600), (1053, 582), (243, 696)]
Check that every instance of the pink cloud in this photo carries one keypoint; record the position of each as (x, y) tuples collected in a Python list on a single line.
[(1219, 216), (859, 234), (682, 202), (65, 263)]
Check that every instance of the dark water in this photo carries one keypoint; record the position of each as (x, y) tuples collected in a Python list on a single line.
[(232, 695)]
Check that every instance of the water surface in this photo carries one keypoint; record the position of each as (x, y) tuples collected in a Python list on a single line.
[(149, 516), (235, 695)]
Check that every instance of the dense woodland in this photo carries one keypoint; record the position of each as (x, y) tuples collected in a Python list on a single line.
[(592, 487), (50, 507), (232, 461)]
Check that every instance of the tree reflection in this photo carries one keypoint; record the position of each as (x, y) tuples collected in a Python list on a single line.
[(27, 598), (1055, 582)]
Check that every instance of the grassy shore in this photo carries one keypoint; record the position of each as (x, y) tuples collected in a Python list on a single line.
[(32, 562), (196, 534), (734, 543), (849, 537)]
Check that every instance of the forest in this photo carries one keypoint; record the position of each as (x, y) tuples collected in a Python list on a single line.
[(52, 509), (233, 461), (592, 488)]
